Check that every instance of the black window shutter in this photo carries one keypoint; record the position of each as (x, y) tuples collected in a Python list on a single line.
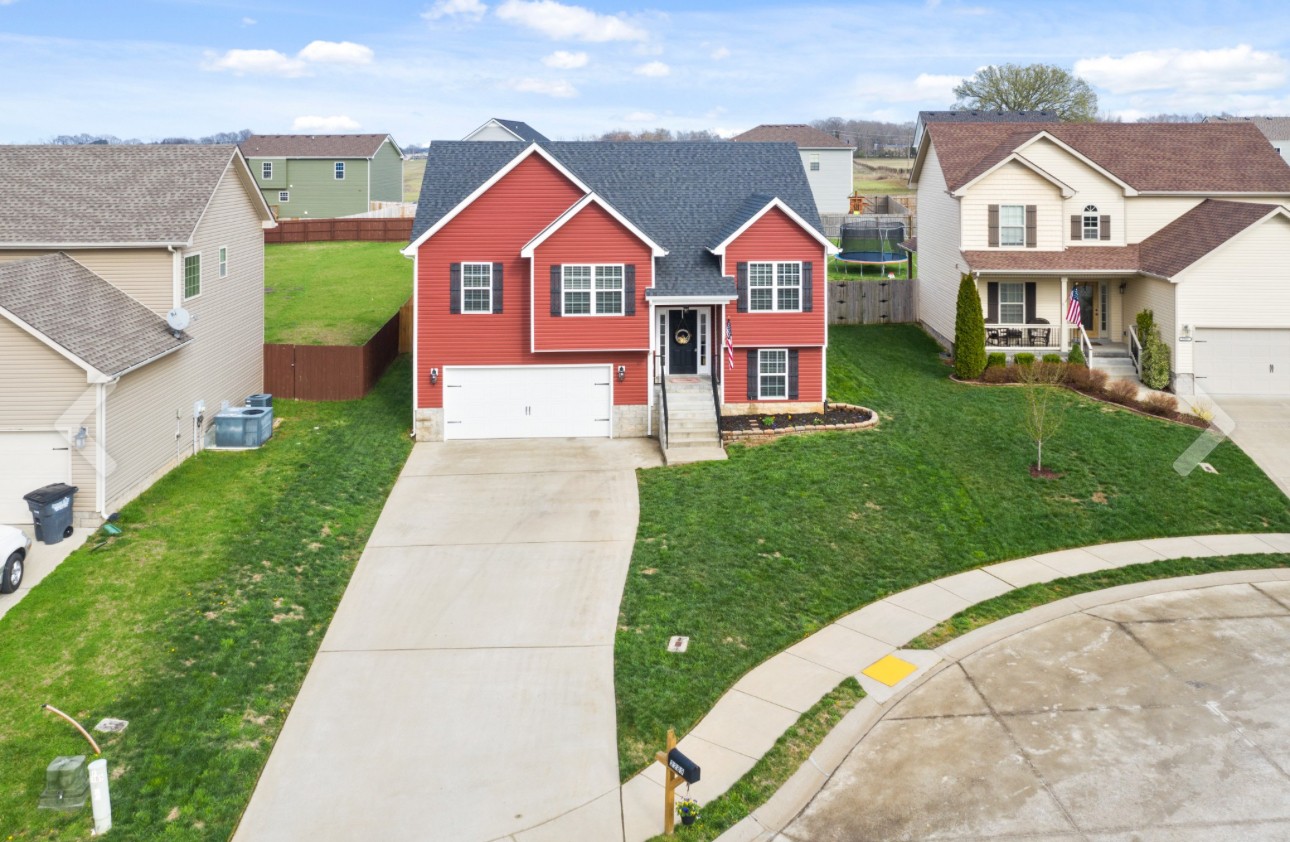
[(992, 303), (497, 287), (741, 287), (629, 290), (557, 306), (992, 215), (1104, 224), (1032, 226), (1077, 227), (752, 374), (808, 288), (454, 288), (1030, 301), (792, 374)]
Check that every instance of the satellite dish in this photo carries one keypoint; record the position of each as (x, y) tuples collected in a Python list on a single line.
[(178, 319)]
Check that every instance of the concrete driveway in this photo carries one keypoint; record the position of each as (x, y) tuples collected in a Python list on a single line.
[(1161, 717), (1263, 432), (464, 690)]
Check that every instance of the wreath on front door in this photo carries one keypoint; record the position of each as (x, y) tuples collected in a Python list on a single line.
[(683, 337)]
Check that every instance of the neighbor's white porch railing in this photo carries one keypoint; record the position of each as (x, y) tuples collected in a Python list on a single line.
[(1037, 335)]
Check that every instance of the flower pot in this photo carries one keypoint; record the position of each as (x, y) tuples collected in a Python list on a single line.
[(687, 820)]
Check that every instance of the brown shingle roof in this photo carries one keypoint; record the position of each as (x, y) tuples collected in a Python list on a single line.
[(806, 137), (1165, 253), (84, 314), (57, 196), (312, 145), (1168, 157)]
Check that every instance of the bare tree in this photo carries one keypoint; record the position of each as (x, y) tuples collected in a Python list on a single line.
[(1032, 87), (1045, 405)]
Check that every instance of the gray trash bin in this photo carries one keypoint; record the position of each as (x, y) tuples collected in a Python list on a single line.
[(51, 511)]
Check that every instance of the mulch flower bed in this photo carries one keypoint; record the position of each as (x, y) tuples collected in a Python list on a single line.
[(837, 416)]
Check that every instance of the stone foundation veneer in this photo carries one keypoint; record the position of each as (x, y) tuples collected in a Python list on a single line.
[(1184, 384), (772, 407), (428, 424)]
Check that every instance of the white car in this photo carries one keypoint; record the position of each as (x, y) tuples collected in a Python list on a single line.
[(14, 545)]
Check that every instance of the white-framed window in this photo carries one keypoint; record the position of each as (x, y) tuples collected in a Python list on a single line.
[(593, 290), (772, 373), (775, 286), (266, 170), (284, 196), (223, 261), (1092, 225), (703, 340), (815, 162), (1012, 304), (1012, 225), (192, 275), (340, 170), (476, 287)]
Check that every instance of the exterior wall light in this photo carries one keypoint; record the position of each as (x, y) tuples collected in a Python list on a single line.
[(434, 376), (1123, 286), (622, 373), (79, 439)]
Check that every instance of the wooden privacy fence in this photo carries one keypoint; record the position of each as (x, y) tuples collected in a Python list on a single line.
[(328, 230), (332, 372), (873, 302)]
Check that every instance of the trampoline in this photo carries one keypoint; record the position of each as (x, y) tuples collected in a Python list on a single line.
[(872, 241)]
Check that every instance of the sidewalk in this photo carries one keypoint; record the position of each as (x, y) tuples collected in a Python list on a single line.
[(753, 714)]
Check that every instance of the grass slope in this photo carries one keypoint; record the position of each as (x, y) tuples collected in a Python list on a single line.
[(750, 555), (413, 171), (332, 293), (198, 624)]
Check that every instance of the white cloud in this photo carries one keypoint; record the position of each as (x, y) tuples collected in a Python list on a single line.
[(641, 117), (559, 88), (1233, 69), (556, 20), (248, 21), (722, 132), (654, 70), (469, 9), (268, 62), (336, 52), (719, 53), (312, 123), (565, 60)]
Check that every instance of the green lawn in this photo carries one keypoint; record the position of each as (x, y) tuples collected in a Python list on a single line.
[(750, 555), (413, 171), (332, 293), (197, 624)]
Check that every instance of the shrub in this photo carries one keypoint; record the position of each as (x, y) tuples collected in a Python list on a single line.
[(969, 331), (1155, 361), (1077, 375), (1146, 321), (1076, 356), (1158, 403), (1052, 358), (1024, 359), (1122, 391), (996, 359), (1000, 374), (1204, 410), (1097, 380)]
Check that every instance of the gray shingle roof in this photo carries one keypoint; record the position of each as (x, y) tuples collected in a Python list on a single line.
[(682, 195), (1273, 128), (971, 115), (525, 132), (57, 196), (83, 313), (312, 145)]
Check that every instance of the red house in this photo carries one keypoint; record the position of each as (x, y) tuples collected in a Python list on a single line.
[(572, 289)]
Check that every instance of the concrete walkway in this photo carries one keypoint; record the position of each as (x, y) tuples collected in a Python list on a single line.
[(464, 690), (41, 561), (753, 714)]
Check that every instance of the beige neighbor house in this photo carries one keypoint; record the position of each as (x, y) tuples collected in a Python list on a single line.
[(828, 162), (97, 245), (1188, 220)]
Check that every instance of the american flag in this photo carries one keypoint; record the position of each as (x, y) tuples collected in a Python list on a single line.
[(730, 346), (1072, 312)]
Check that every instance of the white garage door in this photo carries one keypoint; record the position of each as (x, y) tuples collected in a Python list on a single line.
[(519, 402), (1233, 361), (29, 461)]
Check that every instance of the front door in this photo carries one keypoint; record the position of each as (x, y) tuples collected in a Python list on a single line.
[(683, 342), (1089, 307)]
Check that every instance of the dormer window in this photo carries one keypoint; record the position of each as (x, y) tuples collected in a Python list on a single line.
[(1092, 227)]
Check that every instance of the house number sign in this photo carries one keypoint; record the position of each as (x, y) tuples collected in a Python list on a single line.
[(683, 337)]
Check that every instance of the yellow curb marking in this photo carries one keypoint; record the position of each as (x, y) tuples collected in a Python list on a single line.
[(890, 670)]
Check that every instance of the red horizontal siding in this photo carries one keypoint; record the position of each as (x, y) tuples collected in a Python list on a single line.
[(810, 376), (593, 236), (777, 237), (493, 229)]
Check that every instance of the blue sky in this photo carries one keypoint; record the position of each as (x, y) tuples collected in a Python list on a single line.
[(438, 68)]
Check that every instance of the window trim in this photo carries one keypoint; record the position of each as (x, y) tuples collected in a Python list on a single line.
[(338, 171), (183, 281), (592, 310), (1020, 227), (762, 375), (775, 286), (1090, 213), (223, 261), (1021, 286), (284, 196), (266, 171), (489, 288)]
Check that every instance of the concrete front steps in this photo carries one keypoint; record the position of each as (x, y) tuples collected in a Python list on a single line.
[(692, 431), (1115, 361)]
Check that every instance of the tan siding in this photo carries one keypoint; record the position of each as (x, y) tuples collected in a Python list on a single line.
[(144, 274), (41, 390), (1048, 297), (1090, 186), (1013, 184), (1146, 215), (1151, 294), (939, 258), (1241, 284)]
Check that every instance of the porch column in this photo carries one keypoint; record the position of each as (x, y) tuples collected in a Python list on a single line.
[(1064, 333)]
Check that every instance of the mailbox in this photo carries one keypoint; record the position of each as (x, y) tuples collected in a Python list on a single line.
[(683, 766)]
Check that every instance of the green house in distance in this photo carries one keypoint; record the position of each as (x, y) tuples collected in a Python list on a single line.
[(321, 176)]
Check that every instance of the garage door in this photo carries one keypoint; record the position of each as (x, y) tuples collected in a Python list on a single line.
[(1237, 361), (518, 402), (29, 461)]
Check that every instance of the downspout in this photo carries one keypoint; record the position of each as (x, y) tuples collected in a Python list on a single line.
[(100, 441), (175, 275)]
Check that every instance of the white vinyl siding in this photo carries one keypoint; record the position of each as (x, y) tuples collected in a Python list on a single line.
[(1090, 188), (775, 287), (1012, 184), (772, 374), (830, 172), (938, 254), (476, 287)]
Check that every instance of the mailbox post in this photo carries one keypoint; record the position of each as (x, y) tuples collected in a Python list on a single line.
[(679, 769)]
